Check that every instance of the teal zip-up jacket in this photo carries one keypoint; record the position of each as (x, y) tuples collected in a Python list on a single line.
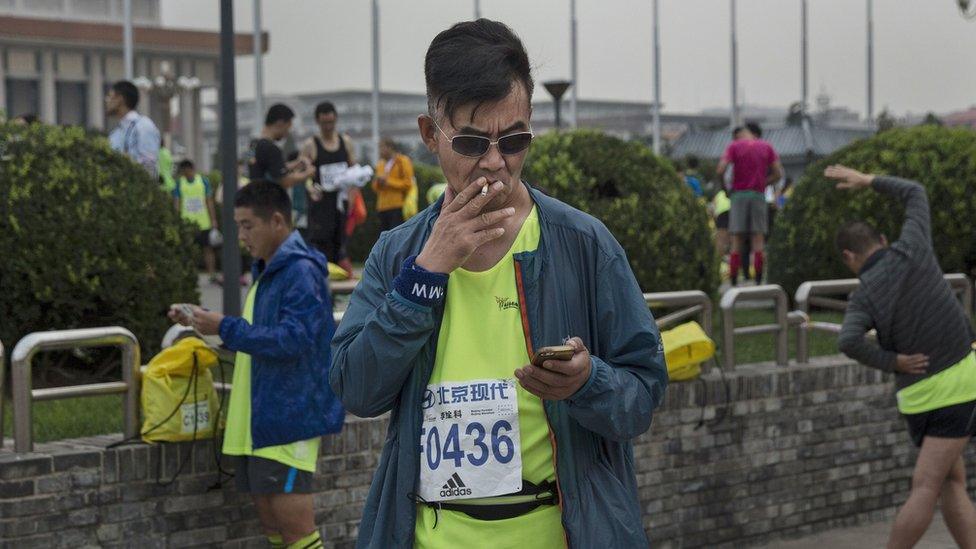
[(578, 283)]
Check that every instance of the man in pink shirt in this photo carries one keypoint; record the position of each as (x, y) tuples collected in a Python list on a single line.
[(755, 165)]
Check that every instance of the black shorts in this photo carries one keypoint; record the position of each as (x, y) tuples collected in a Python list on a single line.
[(956, 421), (257, 475), (202, 238), (722, 221)]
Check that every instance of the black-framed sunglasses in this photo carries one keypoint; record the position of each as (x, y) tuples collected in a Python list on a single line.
[(476, 146)]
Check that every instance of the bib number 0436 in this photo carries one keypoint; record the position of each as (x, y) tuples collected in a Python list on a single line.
[(489, 442)]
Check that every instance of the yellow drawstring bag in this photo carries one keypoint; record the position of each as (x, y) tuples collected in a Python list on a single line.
[(337, 273), (685, 348), (178, 397)]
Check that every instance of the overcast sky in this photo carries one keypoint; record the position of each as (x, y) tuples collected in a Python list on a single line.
[(925, 53)]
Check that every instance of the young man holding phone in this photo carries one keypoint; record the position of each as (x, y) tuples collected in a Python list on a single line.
[(280, 403), (453, 307)]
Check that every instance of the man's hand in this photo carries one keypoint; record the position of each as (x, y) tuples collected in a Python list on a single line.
[(177, 316), (848, 178), (381, 181), (462, 227), (912, 364), (558, 379), (206, 322)]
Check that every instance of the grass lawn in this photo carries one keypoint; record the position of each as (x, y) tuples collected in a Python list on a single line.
[(69, 418), (79, 417)]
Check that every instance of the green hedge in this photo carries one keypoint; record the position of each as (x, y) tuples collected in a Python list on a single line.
[(942, 159), (365, 235), (639, 197), (86, 238)]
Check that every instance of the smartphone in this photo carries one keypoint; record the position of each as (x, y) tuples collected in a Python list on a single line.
[(184, 309), (557, 352)]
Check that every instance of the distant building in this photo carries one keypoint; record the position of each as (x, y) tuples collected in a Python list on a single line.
[(59, 57), (966, 118), (399, 111), (797, 145)]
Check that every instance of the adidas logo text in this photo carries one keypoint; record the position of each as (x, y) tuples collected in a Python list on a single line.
[(455, 487)]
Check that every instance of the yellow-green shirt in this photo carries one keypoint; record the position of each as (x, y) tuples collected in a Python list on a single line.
[(237, 438), (954, 385), (481, 337)]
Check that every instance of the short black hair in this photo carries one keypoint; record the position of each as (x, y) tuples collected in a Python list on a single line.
[(856, 236), (278, 113), (28, 118), (736, 130), (128, 91), (325, 107), (185, 164), (474, 62), (391, 143), (264, 198), (754, 129), (692, 161)]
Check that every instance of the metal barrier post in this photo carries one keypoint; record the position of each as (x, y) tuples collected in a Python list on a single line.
[(806, 295), (780, 328), (24, 396), (960, 283), (695, 302)]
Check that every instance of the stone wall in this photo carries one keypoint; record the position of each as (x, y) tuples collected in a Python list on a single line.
[(794, 451)]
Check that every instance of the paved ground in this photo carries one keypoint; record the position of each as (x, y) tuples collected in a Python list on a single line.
[(868, 536)]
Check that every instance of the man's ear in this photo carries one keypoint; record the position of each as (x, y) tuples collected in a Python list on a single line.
[(428, 132), (884, 240), (848, 257), (278, 221)]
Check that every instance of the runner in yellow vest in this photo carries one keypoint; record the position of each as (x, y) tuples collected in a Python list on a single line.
[(721, 204), (165, 168), (194, 201)]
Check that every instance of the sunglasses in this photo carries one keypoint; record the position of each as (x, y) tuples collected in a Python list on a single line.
[(476, 146)]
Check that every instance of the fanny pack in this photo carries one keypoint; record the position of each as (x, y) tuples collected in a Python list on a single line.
[(546, 493)]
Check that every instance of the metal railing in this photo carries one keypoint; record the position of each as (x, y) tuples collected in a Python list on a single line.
[(780, 327), (24, 396), (695, 303), (963, 287), (815, 294)]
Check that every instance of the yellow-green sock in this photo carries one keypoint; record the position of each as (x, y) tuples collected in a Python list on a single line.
[(276, 541), (311, 541)]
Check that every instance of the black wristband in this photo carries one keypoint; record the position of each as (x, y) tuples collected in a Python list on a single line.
[(420, 285)]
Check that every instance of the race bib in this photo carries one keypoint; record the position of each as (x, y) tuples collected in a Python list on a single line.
[(328, 173), (193, 205), (469, 444), (195, 417)]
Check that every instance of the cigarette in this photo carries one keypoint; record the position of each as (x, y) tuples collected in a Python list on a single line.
[(484, 190)]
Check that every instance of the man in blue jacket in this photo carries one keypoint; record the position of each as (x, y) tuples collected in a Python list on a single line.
[(281, 402), (441, 332)]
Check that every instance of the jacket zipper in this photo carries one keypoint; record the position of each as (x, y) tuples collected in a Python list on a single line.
[(523, 304)]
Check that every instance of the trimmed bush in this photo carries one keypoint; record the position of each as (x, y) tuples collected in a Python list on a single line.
[(368, 233), (941, 159), (639, 197), (87, 238)]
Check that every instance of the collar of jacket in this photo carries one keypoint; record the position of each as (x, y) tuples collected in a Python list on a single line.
[(291, 250)]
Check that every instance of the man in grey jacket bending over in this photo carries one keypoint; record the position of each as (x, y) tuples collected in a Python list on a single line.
[(487, 444), (925, 338)]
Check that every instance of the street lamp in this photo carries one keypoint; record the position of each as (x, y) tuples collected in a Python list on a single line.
[(556, 89)]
